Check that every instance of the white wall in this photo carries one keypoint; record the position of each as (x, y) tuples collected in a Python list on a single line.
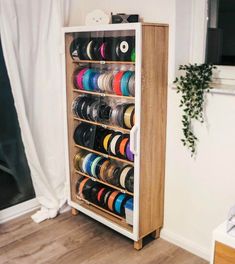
[(198, 192), (149, 11)]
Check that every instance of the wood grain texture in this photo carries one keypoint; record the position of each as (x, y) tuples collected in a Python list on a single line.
[(74, 212), (138, 244), (70, 67), (153, 126), (224, 254), (79, 239)]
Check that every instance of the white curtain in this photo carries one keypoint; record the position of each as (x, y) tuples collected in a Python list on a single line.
[(31, 40)]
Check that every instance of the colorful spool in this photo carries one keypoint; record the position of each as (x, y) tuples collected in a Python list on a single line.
[(124, 83), (81, 186), (133, 55), (129, 154), (84, 164), (103, 170), (117, 83), (94, 81), (93, 166), (111, 200), (106, 141), (79, 78), (128, 116), (119, 204), (86, 80), (131, 84), (89, 163), (102, 50), (126, 170)]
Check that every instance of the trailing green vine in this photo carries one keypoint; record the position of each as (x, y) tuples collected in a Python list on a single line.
[(193, 85)]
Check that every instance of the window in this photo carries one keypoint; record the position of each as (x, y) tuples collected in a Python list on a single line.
[(225, 74), (220, 34), (15, 180)]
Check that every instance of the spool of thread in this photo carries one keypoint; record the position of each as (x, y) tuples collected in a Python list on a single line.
[(124, 83), (111, 200), (117, 83), (120, 203)]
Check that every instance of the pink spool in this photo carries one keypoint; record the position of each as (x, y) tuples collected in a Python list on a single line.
[(102, 50), (79, 78)]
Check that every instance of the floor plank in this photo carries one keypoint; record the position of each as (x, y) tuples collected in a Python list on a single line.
[(79, 239)]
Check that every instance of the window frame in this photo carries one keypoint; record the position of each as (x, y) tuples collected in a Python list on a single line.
[(223, 74)]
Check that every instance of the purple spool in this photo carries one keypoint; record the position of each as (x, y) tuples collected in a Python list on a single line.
[(129, 154)]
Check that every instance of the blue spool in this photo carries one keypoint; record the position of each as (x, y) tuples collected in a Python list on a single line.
[(94, 81), (86, 80), (124, 83), (129, 204), (119, 203), (89, 163)]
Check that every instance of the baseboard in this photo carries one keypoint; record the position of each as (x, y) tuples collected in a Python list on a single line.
[(18, 210), (186, 244)]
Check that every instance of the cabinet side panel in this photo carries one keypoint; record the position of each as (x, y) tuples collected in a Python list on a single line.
[(70, 66), (224, 254), (153, 127)]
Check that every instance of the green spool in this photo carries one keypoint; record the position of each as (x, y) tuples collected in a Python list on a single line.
[(133, 55)]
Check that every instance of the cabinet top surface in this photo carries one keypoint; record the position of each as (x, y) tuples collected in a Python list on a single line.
[(124, 26)]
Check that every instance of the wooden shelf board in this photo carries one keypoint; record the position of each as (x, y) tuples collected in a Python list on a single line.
[(105, 155), (103, 125), (104, 213), (104, 62), (104, 183), (104, 94)]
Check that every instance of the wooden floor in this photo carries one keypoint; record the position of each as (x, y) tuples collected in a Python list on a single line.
[(80, 240)]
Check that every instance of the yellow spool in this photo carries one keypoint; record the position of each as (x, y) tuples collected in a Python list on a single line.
[(106, 140)]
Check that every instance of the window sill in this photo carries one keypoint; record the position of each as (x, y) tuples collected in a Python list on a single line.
[(224, 89)]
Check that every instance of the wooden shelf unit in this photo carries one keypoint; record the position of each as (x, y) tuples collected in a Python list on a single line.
[(148, 136)]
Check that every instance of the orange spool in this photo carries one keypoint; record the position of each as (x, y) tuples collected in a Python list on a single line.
[(81, 187), (112, 199), (117, 83), (122, 146)]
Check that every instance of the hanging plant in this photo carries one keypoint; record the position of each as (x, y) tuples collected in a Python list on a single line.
[(192, 85)]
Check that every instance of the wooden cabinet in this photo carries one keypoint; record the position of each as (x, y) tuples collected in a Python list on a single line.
[(224, 254), (147, 61), (223, 246)]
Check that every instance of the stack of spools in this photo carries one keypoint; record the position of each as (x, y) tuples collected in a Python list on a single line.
[(103, 140), (119, 83), (105, 170), (108, 48), (105, 197), (113, 169), (90, 108), (123, 115)]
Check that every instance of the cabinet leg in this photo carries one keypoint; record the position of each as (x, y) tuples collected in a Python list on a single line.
[(155, 234), (138, 244), (74, 211)]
